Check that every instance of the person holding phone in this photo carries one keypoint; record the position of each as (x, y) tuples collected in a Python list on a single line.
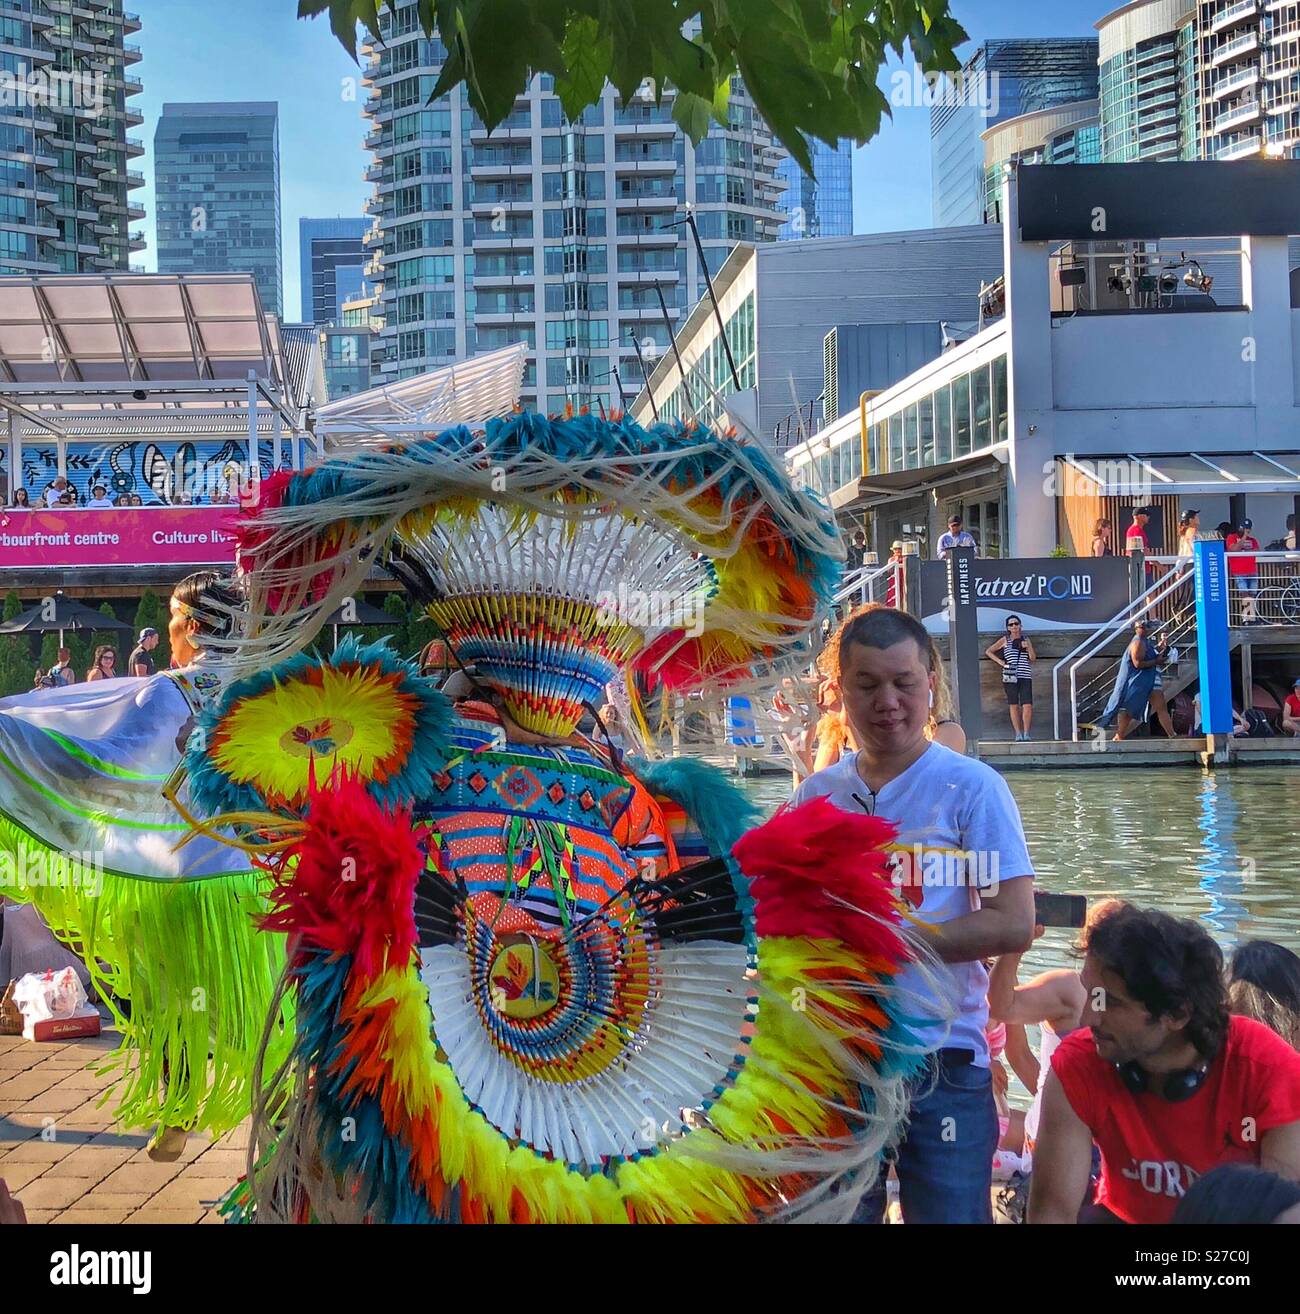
[(1015, 654), (885, 675), (1053, 1000)]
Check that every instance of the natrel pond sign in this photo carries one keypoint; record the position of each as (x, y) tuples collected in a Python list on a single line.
[(1047, 593)]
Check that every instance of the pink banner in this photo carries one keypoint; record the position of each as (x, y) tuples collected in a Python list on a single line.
[(134, 536)]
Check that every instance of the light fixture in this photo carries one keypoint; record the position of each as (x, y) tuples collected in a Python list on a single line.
[(140, 395), (1196, 278), (1073, 276), (1168, 283)]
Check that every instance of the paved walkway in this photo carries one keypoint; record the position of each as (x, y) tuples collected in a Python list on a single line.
[(83, 1169)]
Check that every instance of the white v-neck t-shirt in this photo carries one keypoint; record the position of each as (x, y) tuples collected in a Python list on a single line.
[(959, 832)]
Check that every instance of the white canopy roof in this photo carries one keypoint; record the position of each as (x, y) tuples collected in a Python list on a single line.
[(468, 392)]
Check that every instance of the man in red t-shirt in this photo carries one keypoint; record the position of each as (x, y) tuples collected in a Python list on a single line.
[(1161, 1078), (1291, 711)]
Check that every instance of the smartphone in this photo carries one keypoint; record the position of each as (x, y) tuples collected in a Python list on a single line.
[(1059, 909)]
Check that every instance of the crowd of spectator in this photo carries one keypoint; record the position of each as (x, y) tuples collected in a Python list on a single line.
[(103, 665), (62, 495)]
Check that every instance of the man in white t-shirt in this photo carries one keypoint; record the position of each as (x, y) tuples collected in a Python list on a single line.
[(962, 863), (100, 501), (55, 491)]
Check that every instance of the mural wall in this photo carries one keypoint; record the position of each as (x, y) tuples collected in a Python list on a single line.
[(157, 471)]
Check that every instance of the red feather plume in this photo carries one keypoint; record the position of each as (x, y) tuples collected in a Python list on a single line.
[(819, 871), (348, 886)]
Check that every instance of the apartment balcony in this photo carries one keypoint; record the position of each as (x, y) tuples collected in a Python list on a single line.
[(374, 139), (509, 204), (131, 22), (662, 201), (134, 178), (487, 240), (135, 211), (644, 128), (648, 275), (501, 169), (132, 118), (375, 173), (656, 237), (1234, 83), (1234, 16), (486, 278), (1287, 32), (1237, 116), (132, 52), (503, 318), (642, 166), (1241, 149), (133, 86), (1237, 48)]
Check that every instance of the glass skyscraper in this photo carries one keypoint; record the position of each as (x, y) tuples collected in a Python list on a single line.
[(332, 255), (1148, 82), (217, 189), (65, 180), (547, 232), (820, 206), (1003, 79), (1068, 134)]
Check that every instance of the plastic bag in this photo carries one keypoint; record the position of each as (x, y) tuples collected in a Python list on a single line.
[(49, 994)]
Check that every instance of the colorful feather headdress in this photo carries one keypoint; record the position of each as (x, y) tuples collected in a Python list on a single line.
[(552, 553)]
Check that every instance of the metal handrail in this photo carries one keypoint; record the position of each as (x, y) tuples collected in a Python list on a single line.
[(1156, 592), (1099, 638), (863, 582)]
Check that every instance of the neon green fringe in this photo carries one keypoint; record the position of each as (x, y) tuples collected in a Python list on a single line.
[(196, 972)]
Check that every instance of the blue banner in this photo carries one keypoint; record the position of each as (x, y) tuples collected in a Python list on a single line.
[(1210, 567)]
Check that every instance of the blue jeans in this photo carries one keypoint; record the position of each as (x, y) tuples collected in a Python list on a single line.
[(945, 1163)]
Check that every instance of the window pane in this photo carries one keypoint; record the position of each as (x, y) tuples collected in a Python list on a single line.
[(909, 437), (895, 442), (982, 407), (1000, 398), (926, 421), (943, 425), (961, 415)]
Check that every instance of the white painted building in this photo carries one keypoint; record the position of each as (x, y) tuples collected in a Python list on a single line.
[(1058, 413)]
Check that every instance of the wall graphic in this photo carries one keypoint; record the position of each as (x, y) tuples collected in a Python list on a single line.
[(156, 471)]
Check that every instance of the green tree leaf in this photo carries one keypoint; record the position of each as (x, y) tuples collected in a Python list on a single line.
[(811, 66)]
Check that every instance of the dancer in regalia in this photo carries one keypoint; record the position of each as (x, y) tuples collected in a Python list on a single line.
[(535, 981), (88, 833)]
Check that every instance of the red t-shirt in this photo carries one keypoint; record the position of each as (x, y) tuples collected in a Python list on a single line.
[(1238, 562), (1136, 537), (1152, 1150), (1293, 705)]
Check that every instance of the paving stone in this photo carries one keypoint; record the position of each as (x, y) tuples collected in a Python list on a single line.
[(91, 1161), (186, 1191), (114, 1201), (222, 1163), (21, 1139), (91, 1214), (58, 1100), (41, 1215), (27, 1085), (166, 1215), (53, 1192), (143, 1177), (17, 1175)]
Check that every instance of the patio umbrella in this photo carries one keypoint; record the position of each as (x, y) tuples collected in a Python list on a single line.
[(64, 614), (356, 612)]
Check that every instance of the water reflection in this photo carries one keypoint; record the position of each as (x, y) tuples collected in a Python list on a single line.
[(1219, 847)]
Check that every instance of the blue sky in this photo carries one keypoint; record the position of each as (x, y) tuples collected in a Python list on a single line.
[(259, 50)]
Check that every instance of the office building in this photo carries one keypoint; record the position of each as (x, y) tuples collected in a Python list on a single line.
[(1066, 134), (217, 189), (1149, 93), (779, 303), (1056, 414), (820, 205), (65, 175), (547, 232), (1249, 78), (1002, 80), (332, 255)]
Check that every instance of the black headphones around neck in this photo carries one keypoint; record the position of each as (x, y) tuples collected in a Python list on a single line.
[(1174, 1087)]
